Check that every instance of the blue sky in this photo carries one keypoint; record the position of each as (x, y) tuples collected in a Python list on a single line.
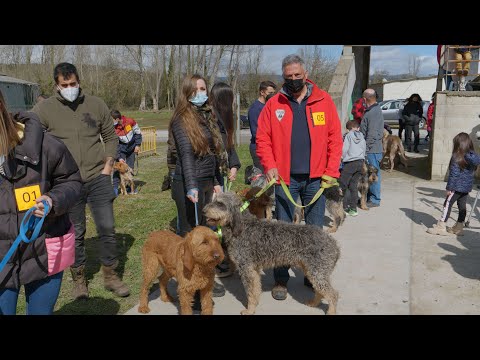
[(392, 58)]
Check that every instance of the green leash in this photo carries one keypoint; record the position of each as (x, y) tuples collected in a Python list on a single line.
[(324, 185)]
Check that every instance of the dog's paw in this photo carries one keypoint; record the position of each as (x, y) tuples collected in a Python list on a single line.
[(364, 208), (144, 309), (167, 298), (312, 303), (331, 230), (247, 312)]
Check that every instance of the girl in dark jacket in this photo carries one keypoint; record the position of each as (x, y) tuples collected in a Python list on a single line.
[(412, 114), (462, 166), (34, 167), (221, 101)]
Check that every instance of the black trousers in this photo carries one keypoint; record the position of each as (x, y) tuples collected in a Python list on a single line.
[(255, 158), (186, 208), (461, 199), (351, 173), (408, 136), (98, 194), (401, 127)]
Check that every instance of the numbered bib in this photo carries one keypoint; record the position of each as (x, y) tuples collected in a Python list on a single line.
[(26, 196), (128, 128), (319, 118)]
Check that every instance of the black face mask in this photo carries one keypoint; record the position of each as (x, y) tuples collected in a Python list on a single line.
[(269, 96), (294, 86)]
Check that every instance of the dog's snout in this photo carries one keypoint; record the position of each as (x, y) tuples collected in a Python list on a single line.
[(216, 255)]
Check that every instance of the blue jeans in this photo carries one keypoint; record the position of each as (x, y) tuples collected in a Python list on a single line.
[(374, 190), (306, 188), (41, 296)]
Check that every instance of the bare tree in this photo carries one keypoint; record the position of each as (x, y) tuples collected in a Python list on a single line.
[(137, 54), (414, 63), (378, 76)]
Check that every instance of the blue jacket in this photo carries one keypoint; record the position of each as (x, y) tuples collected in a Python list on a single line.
[(462, 180)]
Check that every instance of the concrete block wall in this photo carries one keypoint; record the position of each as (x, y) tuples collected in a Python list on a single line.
[(455, 112)]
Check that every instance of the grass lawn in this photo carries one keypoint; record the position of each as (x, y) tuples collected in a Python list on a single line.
[(144, 118), (135, 217)]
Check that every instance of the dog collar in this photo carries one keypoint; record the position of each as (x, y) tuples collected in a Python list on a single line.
[(256, 177)]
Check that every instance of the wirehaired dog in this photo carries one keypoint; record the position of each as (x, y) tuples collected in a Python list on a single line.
[(190, 260), (126, 177), (257, 180), (333, 203), (392, 146), (255, 244), (369, 176)]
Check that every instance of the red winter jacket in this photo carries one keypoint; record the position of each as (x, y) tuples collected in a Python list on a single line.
[(275, 131), (358, 109), (430, 116)]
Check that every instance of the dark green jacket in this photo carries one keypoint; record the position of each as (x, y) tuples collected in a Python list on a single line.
[(79, 125)]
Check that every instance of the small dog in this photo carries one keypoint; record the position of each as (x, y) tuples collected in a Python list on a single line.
[(190, 260), (392, 146), (369, 176), (260, 206), (255, 244), (126, 177)]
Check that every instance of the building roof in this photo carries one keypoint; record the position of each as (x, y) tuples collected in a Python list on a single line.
[(8, 79)]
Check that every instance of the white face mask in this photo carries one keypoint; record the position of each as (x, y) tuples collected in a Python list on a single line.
[(69, 93)]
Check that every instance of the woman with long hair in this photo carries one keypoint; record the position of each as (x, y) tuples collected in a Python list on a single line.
[(36, 171), (199, 145), (221, 101), (412, 114), (462, 167)]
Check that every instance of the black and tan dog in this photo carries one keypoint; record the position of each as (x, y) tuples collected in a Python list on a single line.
[(369, 176)]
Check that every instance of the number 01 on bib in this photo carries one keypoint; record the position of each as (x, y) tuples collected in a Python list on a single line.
[(26, 196)]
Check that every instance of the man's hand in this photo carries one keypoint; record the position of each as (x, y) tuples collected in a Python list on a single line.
[(217, 189), (39, 205), (192, 195), (233, 174), (121, 160), (272, 173), (107, 170), (137, 149)]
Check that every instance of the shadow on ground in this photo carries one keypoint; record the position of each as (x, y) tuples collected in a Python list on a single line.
[(419, 217), (464, 261), (90, 306), (124, 243)]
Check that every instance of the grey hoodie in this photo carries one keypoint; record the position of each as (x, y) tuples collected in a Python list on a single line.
[(354, 146)]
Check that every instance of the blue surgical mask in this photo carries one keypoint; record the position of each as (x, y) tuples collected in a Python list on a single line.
[(199, 99)]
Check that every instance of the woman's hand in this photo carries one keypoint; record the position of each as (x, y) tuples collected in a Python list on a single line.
[(192, 195), (449, 192), (217, 189), (233, 174), (40, 211)]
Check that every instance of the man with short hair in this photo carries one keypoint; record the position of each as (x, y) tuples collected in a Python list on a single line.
[(79, 120), (372, 129), (299, 139), (266, 90)]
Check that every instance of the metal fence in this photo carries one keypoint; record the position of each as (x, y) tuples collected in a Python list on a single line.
[(149, 141)]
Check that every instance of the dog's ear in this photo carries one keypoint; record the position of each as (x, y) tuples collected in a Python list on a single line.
[(237, 224), (187, 256)]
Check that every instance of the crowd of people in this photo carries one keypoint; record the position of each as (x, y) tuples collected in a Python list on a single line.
[(296, 137)]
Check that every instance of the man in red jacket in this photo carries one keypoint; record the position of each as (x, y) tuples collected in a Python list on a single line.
[(299, 139)]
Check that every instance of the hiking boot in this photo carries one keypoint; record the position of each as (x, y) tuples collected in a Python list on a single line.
[(80, 288), (218, 290), (279, 291), (457, 229), (439, 229), (112, 282)]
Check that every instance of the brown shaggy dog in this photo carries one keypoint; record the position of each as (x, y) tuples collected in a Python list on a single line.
[(126, 177), (392, 146), (260, 206), (369, 176), (190, 260)]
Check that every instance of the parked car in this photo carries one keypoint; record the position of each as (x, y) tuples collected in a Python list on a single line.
[(244, 123), (392, 110)]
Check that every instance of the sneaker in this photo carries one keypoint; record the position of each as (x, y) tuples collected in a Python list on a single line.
[(222, 271), (279, 291), (371, 204), (352, 212), (218, 290)]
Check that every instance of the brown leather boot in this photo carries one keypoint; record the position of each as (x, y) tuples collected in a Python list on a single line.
[(80, 288), (112, 282), (457, 229)]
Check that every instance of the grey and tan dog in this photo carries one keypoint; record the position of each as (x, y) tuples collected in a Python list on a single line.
[(255, 244)]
